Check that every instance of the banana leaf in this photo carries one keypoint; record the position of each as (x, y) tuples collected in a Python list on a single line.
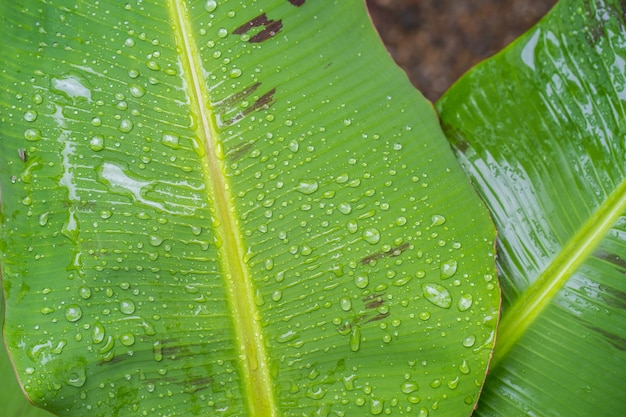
[(233, 208), (541, 130)]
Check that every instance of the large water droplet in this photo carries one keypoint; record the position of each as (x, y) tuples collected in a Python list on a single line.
[(210, 5), (170, 140), (43, 218), (127, 306), (76, 376), (465, 302), (307, 186), (126, 125), (73, 312), (355, 338), (345, 208), (32, 135), (137, 90), (157, 350), (127, 339), (30, 116), (448, 269), (287, 336), (437, 294), (371, 235), (361, 280), (97, 334), (376, 406), (408, 387), (437, 220), (345, 303), (96, 143)]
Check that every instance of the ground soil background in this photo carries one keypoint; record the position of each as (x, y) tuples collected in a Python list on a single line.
[(436, 41)]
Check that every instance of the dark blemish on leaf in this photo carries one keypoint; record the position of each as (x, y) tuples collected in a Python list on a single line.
[(238, 151), (297, 3), (196, 384), (379, 316), (270, 31), (229, 101), (263, 102), (270, 28), (615, 340), (388, 254), (22, 154), (610, 257), (260, 20)]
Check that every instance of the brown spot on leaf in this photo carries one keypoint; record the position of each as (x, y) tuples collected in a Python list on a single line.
[(260, 20), (237, 97), (270, 28), (270, 31), (297, 3), (390, 253)]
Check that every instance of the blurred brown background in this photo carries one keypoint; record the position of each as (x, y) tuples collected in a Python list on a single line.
[(436, 41)]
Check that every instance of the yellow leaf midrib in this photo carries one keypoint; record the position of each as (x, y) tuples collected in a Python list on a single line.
[(254, 366), (542, 291)]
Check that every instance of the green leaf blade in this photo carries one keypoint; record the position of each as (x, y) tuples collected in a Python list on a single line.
[(539, 129), (205, 220)]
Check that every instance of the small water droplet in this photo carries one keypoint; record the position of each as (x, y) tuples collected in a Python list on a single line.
[(126, 125), (371, 235), (32, 135), (437, 220), (97, 333), (157, 351), (43, 218), (137, 90), (465, 302), (153, 65), (453, 383), (464, 367), (170, 140), (96, 143), (408, 387), (307, 186), (469, 341), (210, 5), (345, 303), (352, 226), (105, 214), (294, 146), (376, 406), (85, 292), (30, 116), (448, 269), (235, 73), (361, 280), (437, 294), (422, 412), (287, 336), (127, 339), (73, 313), (355, 338), (155, 240), (222, 32), (127, 306)]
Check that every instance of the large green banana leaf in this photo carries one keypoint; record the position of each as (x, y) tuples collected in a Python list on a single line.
[(541, 130), (232, 208)]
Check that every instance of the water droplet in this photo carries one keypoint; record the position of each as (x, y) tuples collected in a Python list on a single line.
[(127, 306), (210, 5), (469, 341), (130, 42), (126, 125), (137, 90), (170, 140), (307, 186), (73, 313), (127, 339), (465, 302), (277, 295), (29, 370), (235, 73), (408, 387), (376, 406), (352, 226), (77, 377), (287, 336), (105, 214), (453, 383), (43, 218), (437, 294), (96, 143), (361, 280), (222, 32), (153, 65), (85, 292), (157, 351), (97, 333), (30, 116), (37, 99), (355, 338), (400, 221), (32, 135), (294, 146), (71, 86), (437, 220), (464, 367), (96, 121), (448, 269), (155, 240), (422, 412), (371, 235), (345, 303), (345, 208)]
